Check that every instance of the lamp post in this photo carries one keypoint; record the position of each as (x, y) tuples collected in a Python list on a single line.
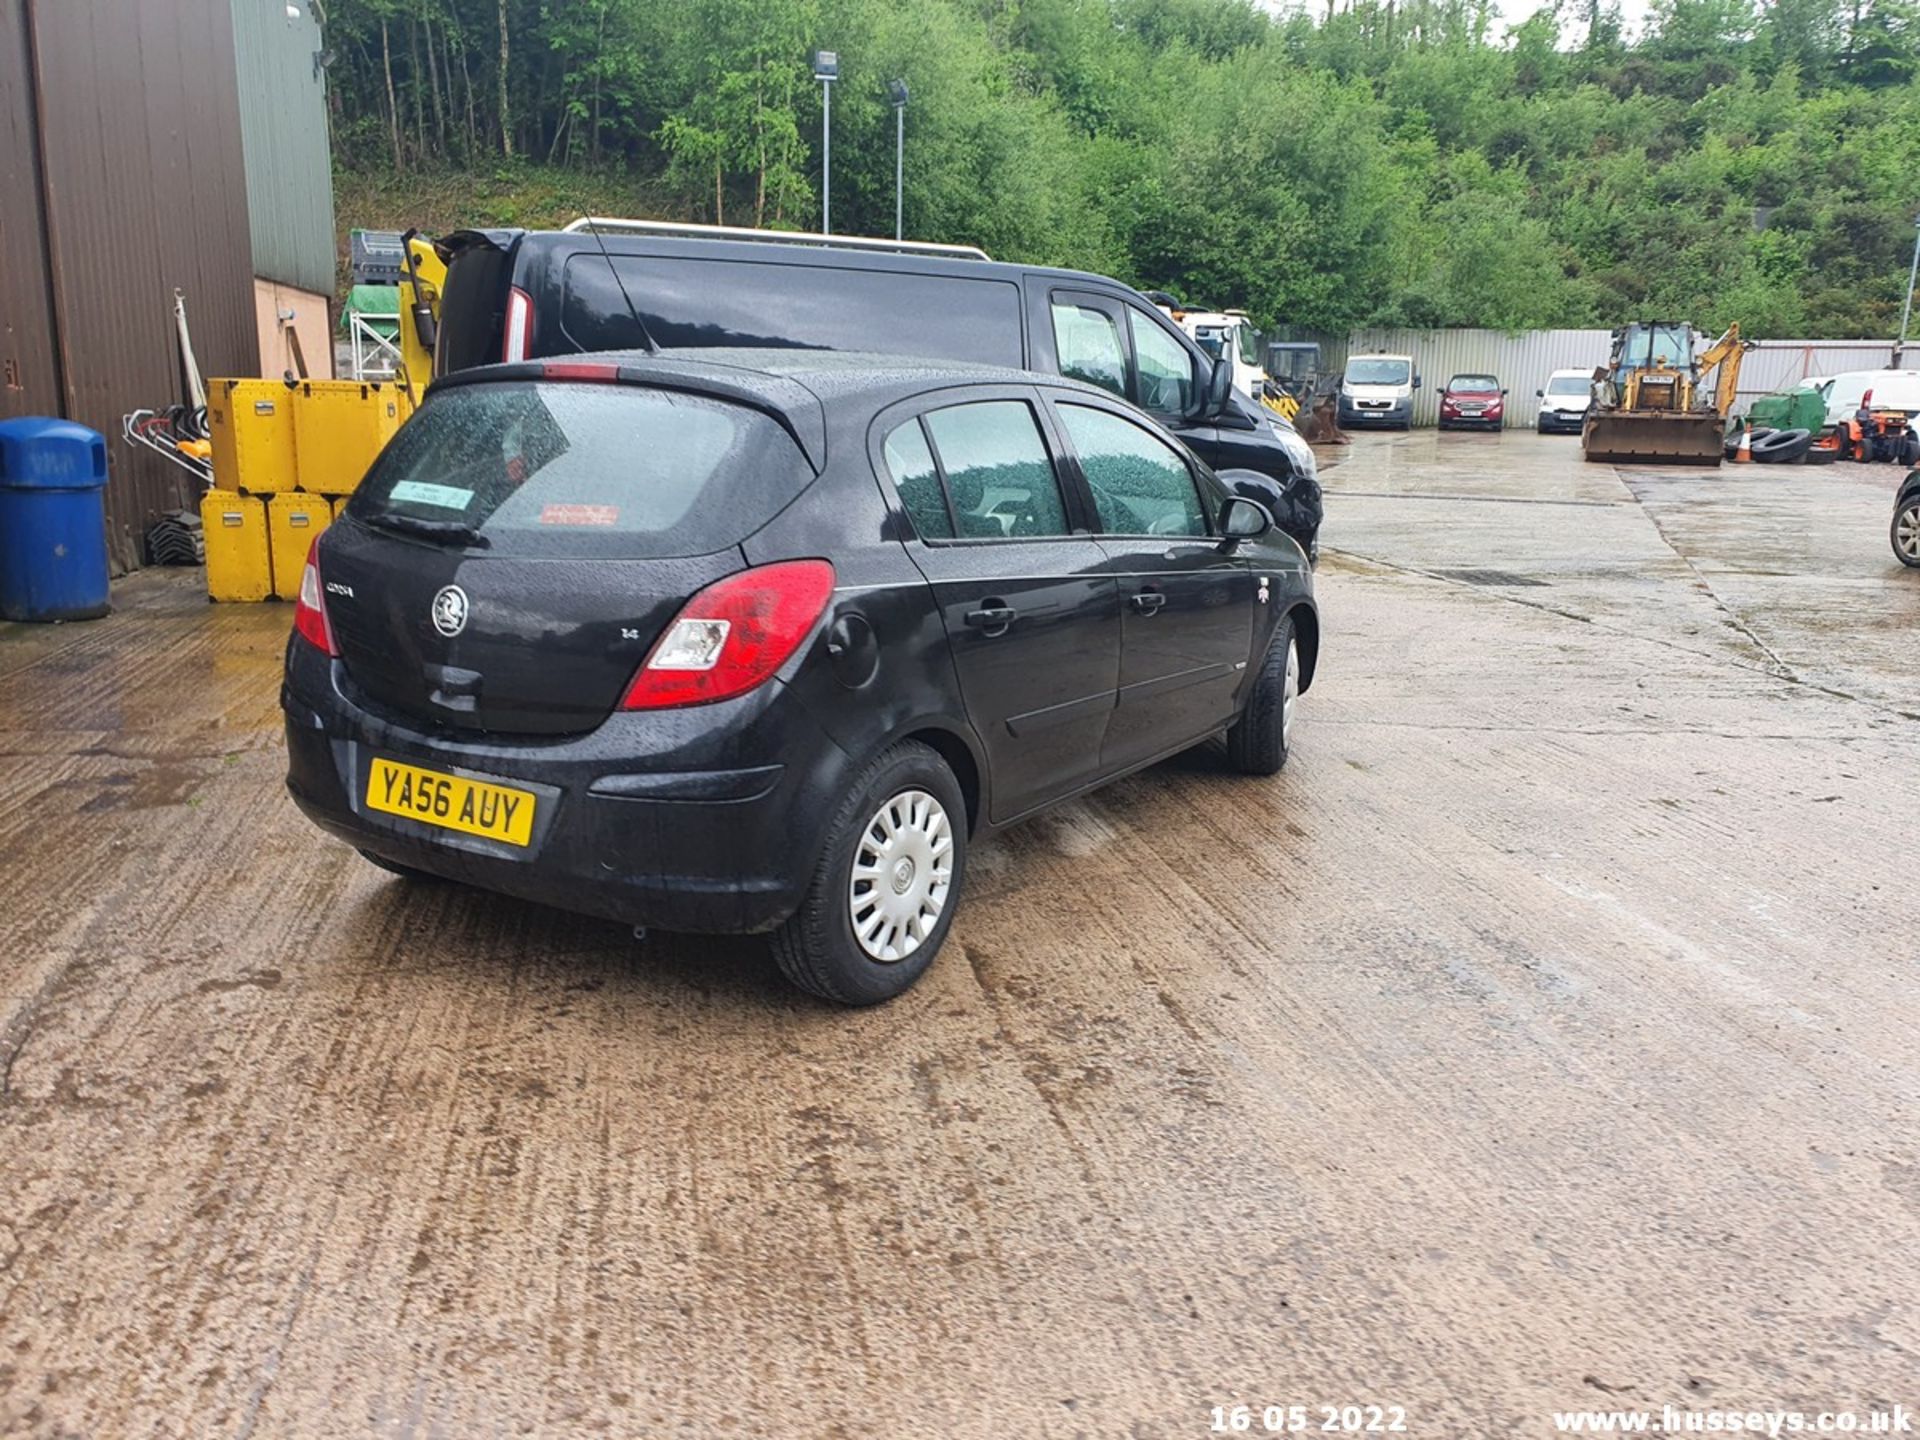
[(897, 93), (1913, 270), (826, 69)]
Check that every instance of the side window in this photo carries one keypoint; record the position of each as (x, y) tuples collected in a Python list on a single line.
[(1248, 339), (1166, 369), (1000, 479), (1089, 346), (910, 463), (1140, 486)]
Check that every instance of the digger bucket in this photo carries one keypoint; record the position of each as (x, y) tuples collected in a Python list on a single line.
[(1654, 437)]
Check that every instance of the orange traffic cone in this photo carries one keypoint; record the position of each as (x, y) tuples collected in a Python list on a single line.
[(1744, 455)]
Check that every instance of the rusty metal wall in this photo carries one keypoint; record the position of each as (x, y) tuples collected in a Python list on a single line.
[(29, 379), (143, 184)]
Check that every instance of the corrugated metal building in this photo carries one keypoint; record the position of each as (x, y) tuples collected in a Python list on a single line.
[(1524, 361), (289, 164), (122, 179)]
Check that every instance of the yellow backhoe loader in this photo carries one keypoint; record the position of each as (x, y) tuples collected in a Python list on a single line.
[(1651, 404)]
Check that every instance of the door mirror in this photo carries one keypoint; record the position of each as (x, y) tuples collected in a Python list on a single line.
[(1416, 382), (1219, 389), (1541, 394), (1244, 519)]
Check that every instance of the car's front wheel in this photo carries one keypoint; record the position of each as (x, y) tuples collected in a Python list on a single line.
[(1259, 741), (1905, 532), (881, 899)]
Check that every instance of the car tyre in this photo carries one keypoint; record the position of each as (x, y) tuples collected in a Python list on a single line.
[(394, 867), (901, 808), (1782, 447), (1905, 530), (1824, 454), (1259, 742)]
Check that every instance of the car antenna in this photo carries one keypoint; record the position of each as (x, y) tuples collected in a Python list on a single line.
[(639, 324)]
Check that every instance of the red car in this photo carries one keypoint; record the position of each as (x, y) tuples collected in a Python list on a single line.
[(1473, 402)]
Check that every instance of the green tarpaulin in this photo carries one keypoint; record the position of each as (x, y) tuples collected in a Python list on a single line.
[(373, 300)]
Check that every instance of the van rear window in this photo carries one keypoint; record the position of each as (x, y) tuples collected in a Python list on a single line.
[(614, 471), (691, 302)]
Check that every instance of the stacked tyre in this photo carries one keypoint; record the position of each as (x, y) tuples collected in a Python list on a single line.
[(1781, 447)]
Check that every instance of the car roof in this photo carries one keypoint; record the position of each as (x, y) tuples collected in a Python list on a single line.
[(792, 385)]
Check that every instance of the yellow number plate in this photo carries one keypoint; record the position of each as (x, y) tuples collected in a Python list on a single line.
[(452, 802)]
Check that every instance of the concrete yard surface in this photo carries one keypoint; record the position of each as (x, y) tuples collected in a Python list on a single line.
[(1541, 1038)]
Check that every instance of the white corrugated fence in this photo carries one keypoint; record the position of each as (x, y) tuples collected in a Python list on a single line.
[(1524, 361)]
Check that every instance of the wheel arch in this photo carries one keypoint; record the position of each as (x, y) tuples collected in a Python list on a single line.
[(955, 745)]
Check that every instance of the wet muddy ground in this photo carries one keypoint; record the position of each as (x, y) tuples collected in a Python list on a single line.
[(1543, 1037)]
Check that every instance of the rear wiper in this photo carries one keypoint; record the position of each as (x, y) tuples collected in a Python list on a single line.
[(431, 529)]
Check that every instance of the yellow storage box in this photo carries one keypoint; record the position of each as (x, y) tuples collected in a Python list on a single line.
[(239, 563), (292, 522), (339, 426), (251, 425)]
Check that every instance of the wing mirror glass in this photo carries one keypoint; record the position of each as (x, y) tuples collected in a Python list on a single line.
[(1244, 519)]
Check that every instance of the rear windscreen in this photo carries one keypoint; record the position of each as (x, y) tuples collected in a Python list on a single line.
[(583, 470), (686, 302)]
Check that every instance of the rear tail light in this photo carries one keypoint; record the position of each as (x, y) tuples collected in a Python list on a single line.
[(732, 635), (310, 610), (519, 326)]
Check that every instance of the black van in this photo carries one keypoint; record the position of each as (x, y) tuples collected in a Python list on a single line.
[(523, 295)]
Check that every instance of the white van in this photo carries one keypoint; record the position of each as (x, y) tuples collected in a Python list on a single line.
[(1892, 390), (1378, 390), (1564, 401)]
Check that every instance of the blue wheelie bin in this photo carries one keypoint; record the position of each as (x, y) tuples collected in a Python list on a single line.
[(53, 521)]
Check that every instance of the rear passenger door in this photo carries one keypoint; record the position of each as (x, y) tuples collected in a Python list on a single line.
[(1031, 614), (1186, 604)]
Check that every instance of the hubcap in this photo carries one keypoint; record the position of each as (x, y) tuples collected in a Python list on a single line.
[(1289, 693), (1907, 532), (902, 870)]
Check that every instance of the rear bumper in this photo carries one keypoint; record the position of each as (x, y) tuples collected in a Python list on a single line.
[(647, 820)]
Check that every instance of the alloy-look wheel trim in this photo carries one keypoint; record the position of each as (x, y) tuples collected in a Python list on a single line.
[(1289, 692), (902, 875), (1906, 533)]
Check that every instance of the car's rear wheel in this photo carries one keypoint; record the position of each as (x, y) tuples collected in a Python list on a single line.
[(881, 899), (1259, 742), (1905, 532)]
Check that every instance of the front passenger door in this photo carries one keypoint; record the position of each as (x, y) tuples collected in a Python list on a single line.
[(1186, 604)]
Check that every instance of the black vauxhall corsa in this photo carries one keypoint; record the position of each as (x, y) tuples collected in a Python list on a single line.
[(732, 641)]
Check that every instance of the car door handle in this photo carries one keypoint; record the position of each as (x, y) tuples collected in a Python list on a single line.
[(992, 619), (1147, 602)]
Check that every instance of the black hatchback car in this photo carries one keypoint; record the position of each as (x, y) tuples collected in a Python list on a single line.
[(757, 641)]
